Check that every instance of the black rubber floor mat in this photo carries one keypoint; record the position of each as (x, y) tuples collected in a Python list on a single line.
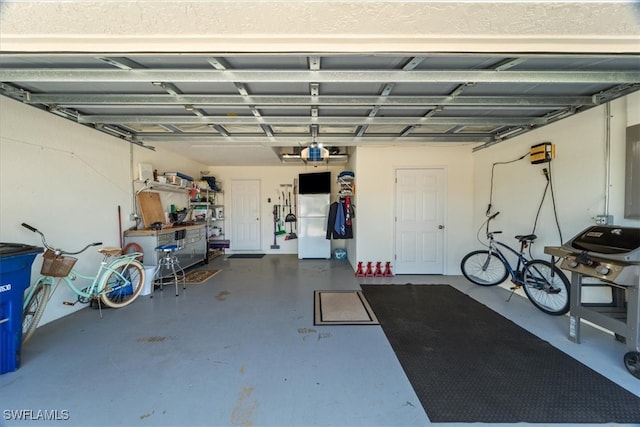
[(467, 363)]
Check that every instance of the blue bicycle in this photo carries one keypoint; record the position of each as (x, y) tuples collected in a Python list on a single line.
[(545, 284)]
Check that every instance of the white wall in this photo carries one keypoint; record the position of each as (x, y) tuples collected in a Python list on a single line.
[(375, 198), (68, 181), (578, 174), (270, 178), (163, 161), (351, 245), (633, 109)]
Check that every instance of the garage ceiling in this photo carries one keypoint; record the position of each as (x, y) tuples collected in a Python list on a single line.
[(263, 109)]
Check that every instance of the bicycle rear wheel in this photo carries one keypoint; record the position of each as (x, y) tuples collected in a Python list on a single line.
[(34, 308), (546, 287), (484, 268), (122, 283)]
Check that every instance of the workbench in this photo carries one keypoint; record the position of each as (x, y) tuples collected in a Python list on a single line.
[(194, 245)]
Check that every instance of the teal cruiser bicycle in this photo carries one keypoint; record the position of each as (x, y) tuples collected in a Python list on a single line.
[(117, 283)]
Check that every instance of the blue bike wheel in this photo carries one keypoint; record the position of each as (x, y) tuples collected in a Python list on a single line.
[(546, 287), (484, 268)]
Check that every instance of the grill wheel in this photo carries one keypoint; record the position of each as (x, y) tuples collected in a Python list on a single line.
[(632, 362)]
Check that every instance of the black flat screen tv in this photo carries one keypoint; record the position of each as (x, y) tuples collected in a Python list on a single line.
[(314, 183)]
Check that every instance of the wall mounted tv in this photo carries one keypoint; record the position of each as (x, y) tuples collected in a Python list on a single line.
[(314, 183)]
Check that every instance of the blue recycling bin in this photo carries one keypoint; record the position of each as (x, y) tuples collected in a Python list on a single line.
[(15, 276)]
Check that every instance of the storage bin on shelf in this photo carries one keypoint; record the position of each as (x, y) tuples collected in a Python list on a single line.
[(179, 179)]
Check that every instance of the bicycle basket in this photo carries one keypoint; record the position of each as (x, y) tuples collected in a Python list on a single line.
[(56, 266)]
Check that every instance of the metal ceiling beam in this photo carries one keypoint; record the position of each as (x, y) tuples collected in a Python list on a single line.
[(294, 141), (507, 63), (170, 88), (314, 62), (336, 121), (304, 100), (221, 64), (221, 130), (120, 62), (413, 63), (374, 111), (452, 95), (310, 76), (170, 128)]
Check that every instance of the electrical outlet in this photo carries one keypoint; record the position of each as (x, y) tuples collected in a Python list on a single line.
[(133, 217), (604, 219)]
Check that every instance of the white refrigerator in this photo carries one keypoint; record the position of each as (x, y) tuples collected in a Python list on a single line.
[(313, 212)]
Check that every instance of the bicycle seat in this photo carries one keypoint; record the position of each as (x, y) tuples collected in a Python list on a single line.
[(526, 238), (110, 251)]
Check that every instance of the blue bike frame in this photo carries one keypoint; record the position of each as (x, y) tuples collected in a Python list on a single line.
[(522, 260)]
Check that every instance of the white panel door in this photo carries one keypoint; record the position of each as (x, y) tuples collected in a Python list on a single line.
[(245, 215), (419, 231)]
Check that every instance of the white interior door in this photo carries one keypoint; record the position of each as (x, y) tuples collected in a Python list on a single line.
[(245, 215), (420, 230)]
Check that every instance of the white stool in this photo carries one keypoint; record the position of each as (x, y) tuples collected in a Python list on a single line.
[(169, 262)]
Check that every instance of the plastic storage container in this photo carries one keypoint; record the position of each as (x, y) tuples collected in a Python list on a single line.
[(15, 276), (339, 253), (149, 271)]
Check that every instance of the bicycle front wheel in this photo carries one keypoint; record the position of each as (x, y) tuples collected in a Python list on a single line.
[(546, 287), (122, 283), (484, 268), (34, 308)]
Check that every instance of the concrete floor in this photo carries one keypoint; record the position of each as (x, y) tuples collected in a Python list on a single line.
[(241, 350)]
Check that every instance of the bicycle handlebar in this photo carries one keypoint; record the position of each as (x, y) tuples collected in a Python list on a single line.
[(25, 225), (56, 250)]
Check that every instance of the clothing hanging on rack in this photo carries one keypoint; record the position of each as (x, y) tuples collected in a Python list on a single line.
[(348, 210), (339, 224)]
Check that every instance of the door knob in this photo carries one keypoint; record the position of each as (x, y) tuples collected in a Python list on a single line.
[(440, 227)]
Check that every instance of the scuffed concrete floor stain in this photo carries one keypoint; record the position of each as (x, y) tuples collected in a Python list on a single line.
[(142, 417), (152, 339), (324, 335), (307, 332), (222, 295), (242, 414)]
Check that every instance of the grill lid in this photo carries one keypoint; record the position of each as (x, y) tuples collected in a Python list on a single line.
[(609, 240)]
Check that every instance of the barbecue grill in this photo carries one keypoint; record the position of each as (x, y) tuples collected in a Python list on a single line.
[(612, 255)]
